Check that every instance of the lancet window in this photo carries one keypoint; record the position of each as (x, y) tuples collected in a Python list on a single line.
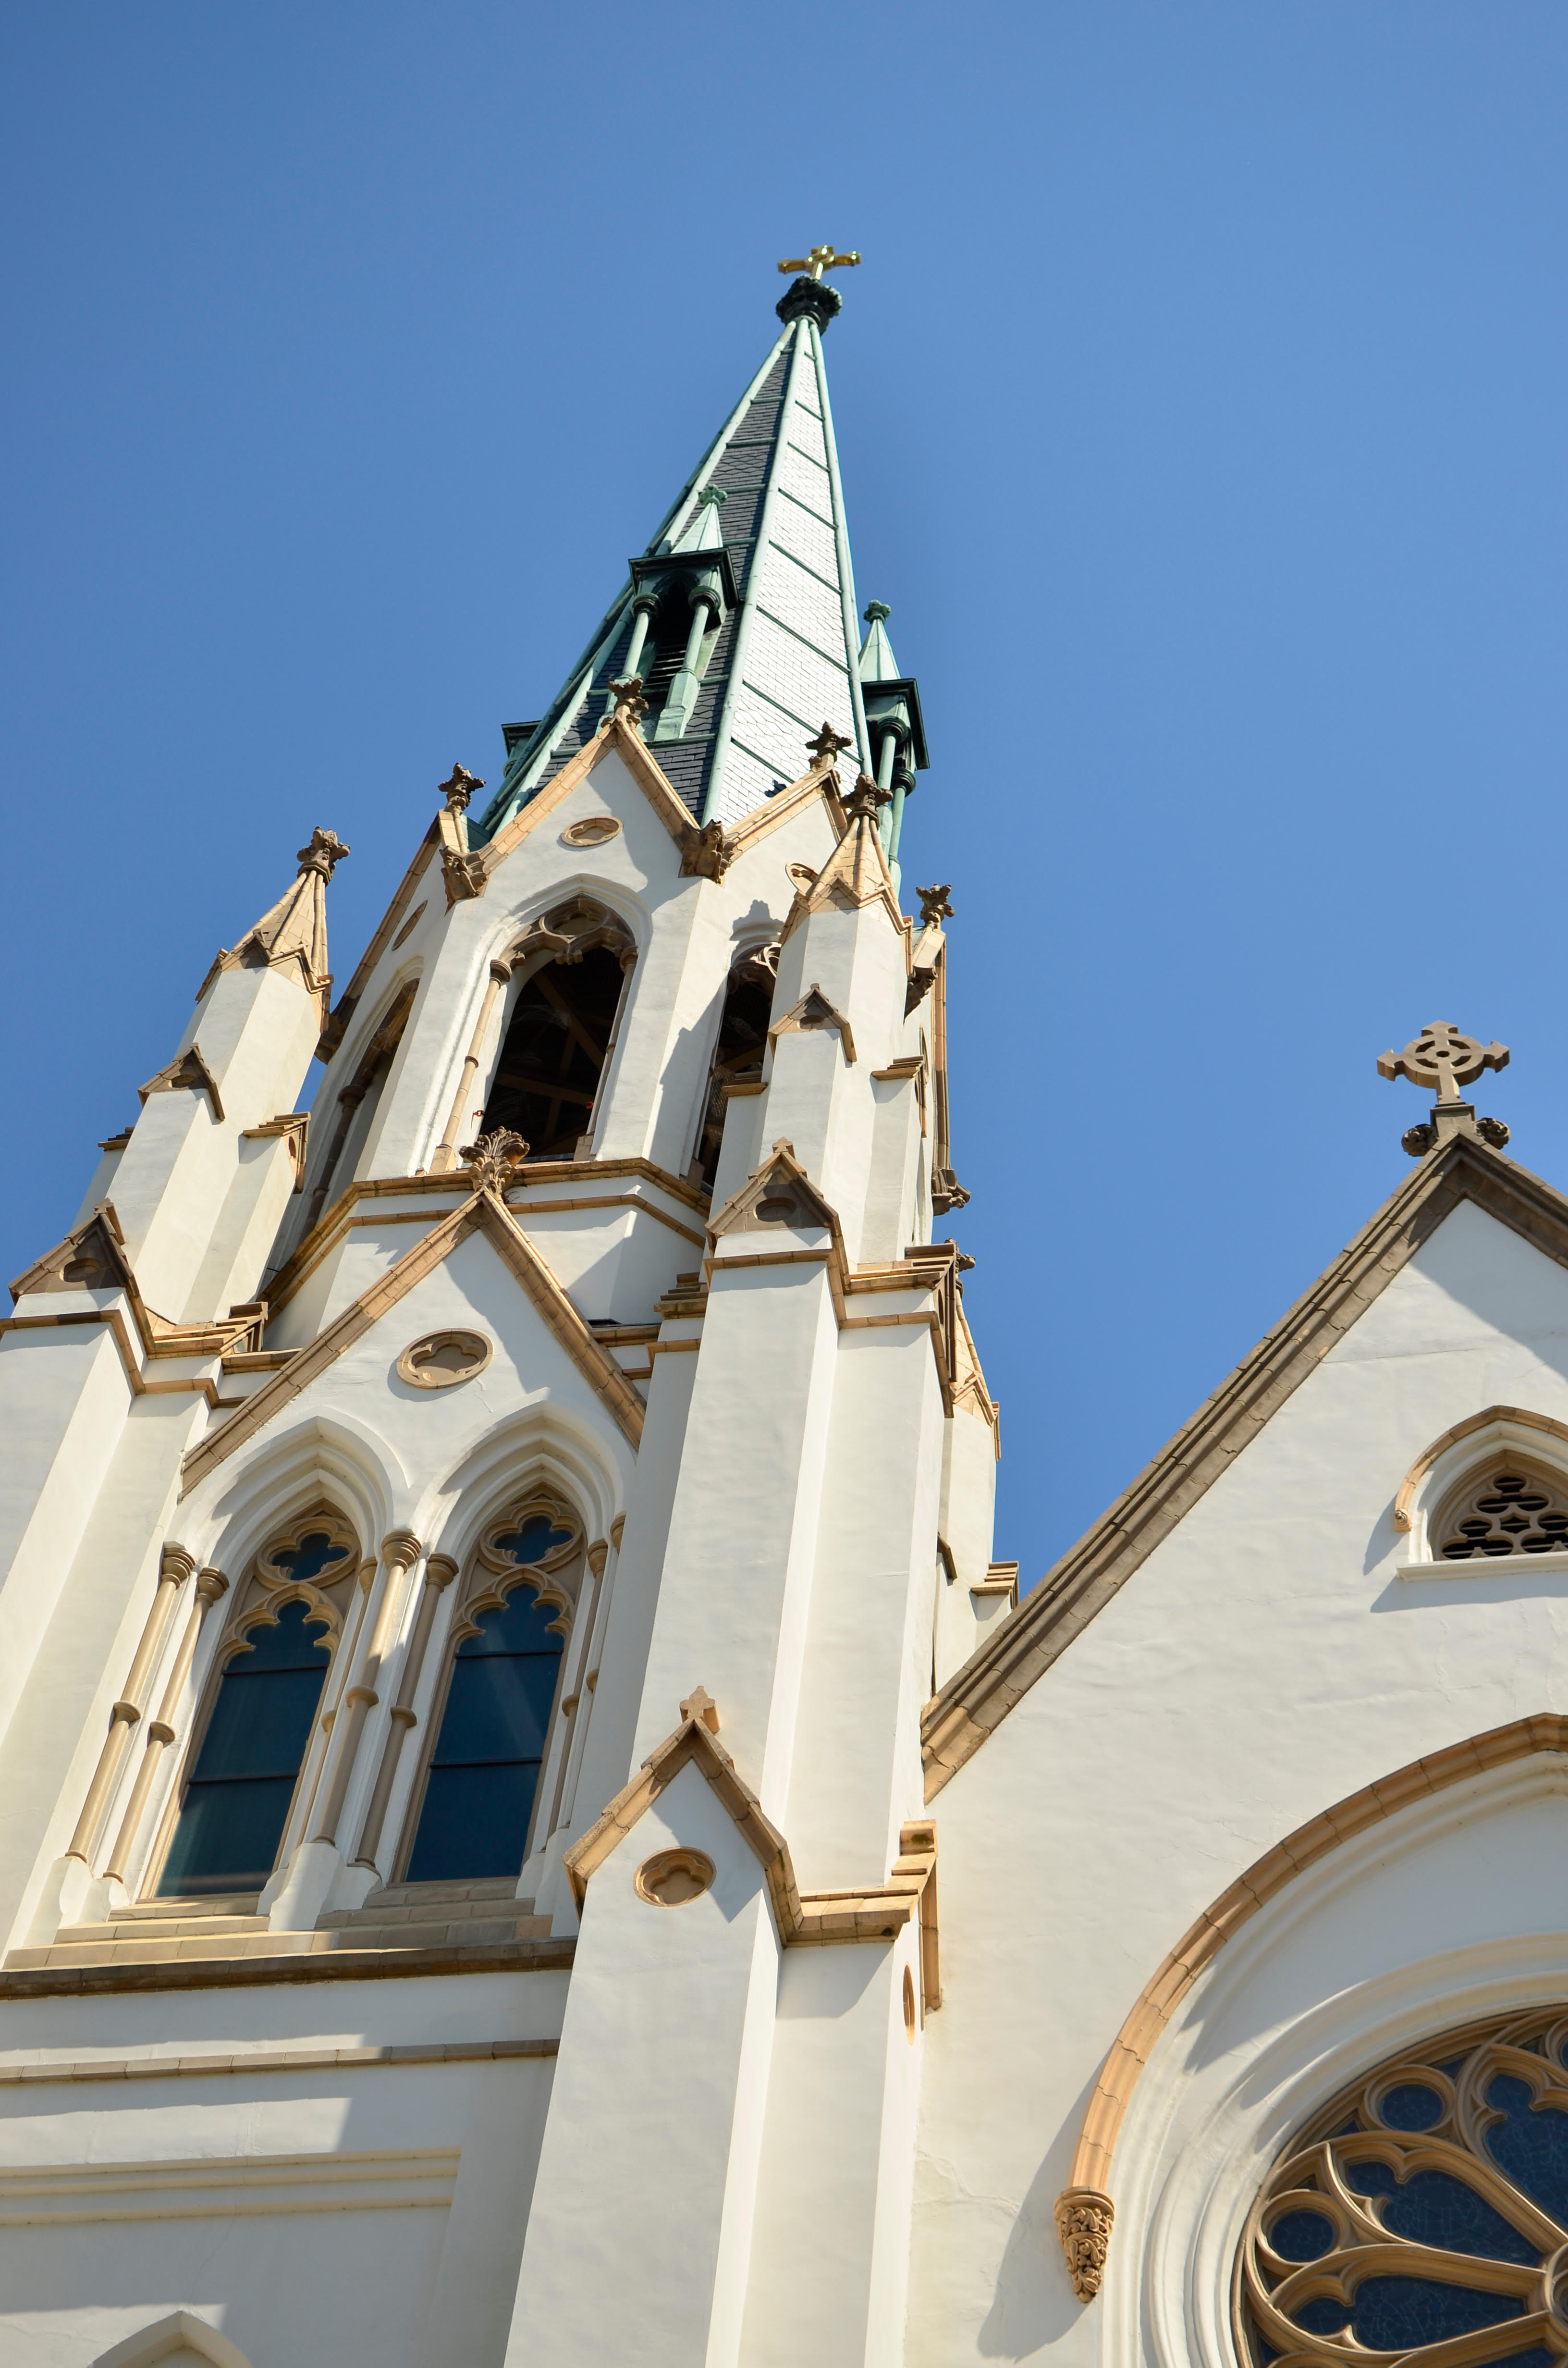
[(742, 1044), (357, 1105), (1509, 1510), (1420, 2214), (480, 1797), (561, 1029), (261, 1713)]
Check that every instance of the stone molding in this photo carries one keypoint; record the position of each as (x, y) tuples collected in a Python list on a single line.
[(480, 1212), (188, 1072), (1548, 1425), (48, 2074), (1240, 1901), (813, 1919), (978, 1697), (320, 1961)]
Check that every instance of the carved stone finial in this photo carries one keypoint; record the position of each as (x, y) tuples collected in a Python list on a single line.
[(629, 702), (1442, 1057), (866, 799), (457, 789), (701, 1704), (712, 498), (934, 905), (325, 851), (491, 1158), (1084, 2221), (876, 612), (825, 748)]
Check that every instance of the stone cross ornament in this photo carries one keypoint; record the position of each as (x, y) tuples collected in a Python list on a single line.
[(629, 702), (459, 787), (1444, 1059), (825, 748), (325, 851)]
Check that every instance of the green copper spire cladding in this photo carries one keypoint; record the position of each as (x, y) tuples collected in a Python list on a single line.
[(741, 610)]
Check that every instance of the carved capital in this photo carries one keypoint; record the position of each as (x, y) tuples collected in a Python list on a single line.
[(1084, 2221), (209, 1585), (400, 1549), (175, 1565), (598, 1554), (439, 1572)]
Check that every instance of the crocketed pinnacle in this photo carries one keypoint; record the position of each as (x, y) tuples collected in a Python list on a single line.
[(292, 933)]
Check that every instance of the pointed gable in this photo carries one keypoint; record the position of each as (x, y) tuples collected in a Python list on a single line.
[(1463, 1171)]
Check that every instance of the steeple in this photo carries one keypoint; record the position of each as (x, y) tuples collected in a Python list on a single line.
[(739, 612)]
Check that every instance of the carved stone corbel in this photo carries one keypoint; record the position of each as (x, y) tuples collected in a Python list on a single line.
[(1084, 2220), (708, 853), (463, 875)]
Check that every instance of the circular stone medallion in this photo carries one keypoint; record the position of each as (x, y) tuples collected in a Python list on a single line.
[(673, 1876), (442, 1359), (592, 831)]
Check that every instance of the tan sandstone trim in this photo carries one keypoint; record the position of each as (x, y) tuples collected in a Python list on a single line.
[(815, 1919), (482, 1213), (270, 2059), (1235, 1905), (315, 1963), (1451, 1438), (640, 762), (978, 1697)]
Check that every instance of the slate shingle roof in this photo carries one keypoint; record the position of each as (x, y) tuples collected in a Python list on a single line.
[(785, 656)]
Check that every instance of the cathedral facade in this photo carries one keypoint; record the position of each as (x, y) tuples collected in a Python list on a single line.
[(536, 1830)]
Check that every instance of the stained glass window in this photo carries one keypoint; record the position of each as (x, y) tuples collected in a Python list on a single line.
[(484, 1769), (1461, 2155), (236, 1802)]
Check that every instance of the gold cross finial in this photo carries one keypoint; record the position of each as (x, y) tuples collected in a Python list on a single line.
[(820, 259)]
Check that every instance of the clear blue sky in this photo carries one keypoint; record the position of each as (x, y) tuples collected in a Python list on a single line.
[(1200, 407)]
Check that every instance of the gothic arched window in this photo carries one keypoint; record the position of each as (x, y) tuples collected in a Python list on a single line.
[(481, 1780), (241, 1780), (743, 1042), (1509, 1508), (1427, 2204), (556, 1050)]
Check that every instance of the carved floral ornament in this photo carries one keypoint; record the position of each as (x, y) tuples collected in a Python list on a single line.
[(1421, 2215)]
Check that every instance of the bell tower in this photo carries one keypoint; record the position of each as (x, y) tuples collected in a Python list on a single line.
[(512, 1515)]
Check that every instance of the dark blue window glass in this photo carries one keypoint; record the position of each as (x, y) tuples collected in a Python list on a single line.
[(1435, 2208), (1395, 2313), (1531, 2148), (237, 1799), (1412, 2106), (485, 1771), (1301, 2236)]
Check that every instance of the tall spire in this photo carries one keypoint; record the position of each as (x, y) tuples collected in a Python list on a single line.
[(739, 614)]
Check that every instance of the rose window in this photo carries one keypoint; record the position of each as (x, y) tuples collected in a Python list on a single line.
[(1423, 2218)]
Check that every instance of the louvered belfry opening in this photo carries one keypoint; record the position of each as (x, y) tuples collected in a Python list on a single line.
[(547, 1080), (1512, 1512)]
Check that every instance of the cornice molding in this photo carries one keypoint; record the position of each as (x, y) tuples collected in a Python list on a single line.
[(978, 1697)]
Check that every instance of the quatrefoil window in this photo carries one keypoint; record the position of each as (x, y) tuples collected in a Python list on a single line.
[(1427, 2204)]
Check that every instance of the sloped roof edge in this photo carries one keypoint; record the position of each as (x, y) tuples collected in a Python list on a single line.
[(978, 1697)]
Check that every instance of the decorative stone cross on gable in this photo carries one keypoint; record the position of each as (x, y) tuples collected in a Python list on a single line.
[(934, 905), (820, 259), (1443, 1058), (865, 798)]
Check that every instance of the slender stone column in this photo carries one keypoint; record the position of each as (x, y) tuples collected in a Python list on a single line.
[(446, 1154), (400, 1552), (209, 1585), (439, 1573), (580, 1705), (174, 1569)]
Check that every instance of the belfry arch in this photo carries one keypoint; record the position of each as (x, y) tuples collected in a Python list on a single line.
[(569, 972)]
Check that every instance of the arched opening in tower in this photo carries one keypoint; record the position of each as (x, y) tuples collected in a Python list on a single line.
[(738, 1055), (547, 1080)]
